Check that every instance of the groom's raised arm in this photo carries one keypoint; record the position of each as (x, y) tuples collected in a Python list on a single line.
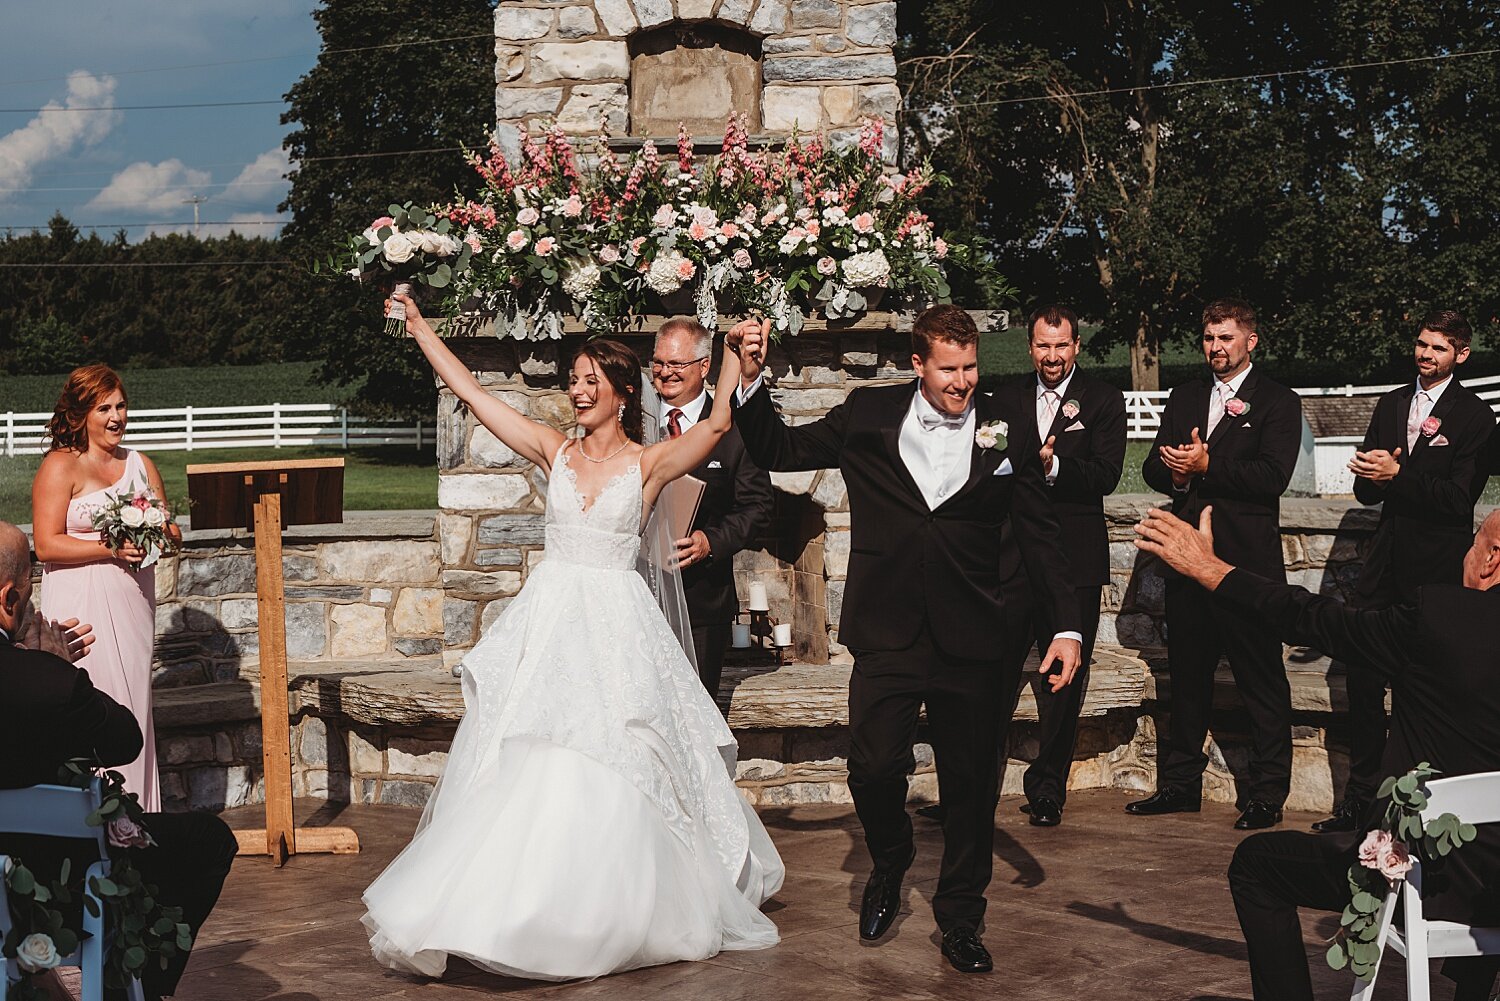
[(775, 446)]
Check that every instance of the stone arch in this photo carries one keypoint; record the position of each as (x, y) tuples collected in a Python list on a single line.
[(695, 73)]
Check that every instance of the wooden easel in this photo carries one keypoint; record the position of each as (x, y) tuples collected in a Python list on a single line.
[(266, 497)]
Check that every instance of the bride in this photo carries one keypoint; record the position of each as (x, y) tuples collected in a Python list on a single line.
[(587, 821)]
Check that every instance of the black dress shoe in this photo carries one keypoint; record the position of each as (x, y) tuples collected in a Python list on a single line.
[(965, 952), (1166, 801), (1345, 818), (1258, 816), (1045, 813), (932, 811), (882, 900)]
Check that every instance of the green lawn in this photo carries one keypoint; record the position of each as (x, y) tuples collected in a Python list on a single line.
[(155, 388), (379, 478)]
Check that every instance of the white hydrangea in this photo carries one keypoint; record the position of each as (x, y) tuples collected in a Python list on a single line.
[(666, 274), (869, 268), (580, 281)]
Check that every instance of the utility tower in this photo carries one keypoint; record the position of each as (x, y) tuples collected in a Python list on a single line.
[(195, 201)]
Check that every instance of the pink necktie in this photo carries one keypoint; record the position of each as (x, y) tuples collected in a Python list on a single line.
[(1414, 419), (1049, 411)]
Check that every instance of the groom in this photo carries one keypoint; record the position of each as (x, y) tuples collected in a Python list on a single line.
[(931, 480)]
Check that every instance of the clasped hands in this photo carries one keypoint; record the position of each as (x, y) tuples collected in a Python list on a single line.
[(749, 339), (1186, 461), (1377, 464)]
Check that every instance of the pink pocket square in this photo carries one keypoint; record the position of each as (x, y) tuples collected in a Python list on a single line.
[(1438, 442)]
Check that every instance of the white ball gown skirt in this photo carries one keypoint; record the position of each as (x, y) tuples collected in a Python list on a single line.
[(587, 821)]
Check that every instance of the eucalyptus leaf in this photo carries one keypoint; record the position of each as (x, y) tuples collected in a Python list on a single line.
[(1468, 832), (1336, 957)]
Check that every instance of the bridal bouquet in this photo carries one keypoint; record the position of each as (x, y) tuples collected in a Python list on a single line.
[(406, 248), (139, 518)]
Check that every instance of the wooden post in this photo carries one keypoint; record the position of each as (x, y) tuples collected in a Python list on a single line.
[(281, 837)]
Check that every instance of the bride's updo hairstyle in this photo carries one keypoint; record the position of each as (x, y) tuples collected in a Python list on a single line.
[(621, 368), (85, 387)]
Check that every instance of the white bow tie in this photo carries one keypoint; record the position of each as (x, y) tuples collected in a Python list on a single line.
[(933, 420)]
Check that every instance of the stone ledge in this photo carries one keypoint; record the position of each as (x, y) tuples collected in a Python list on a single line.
[(417, 692), (358, 526)]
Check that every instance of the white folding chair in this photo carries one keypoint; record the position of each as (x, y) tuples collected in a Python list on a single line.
[(1474, 799), (60, 812)]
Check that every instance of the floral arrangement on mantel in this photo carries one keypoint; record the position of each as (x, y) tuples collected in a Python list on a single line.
[(139, 928), (813, 226), (1385, 857)]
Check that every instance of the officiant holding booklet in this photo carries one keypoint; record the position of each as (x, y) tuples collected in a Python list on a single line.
[(736, 502)]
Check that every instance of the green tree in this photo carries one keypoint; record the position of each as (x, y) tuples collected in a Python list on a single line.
[(404, 98)]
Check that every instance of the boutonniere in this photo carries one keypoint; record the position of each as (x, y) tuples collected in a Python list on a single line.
[(991, 434), (1430, 426), (1236, 407), (1070, 409)]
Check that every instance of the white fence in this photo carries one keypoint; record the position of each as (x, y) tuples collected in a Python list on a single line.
[(1143, 409), (268, 426)]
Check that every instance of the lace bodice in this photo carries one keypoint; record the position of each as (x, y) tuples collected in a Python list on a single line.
[(605, 534)]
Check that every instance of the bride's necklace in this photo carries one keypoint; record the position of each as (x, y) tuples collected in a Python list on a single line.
[(611, 455)]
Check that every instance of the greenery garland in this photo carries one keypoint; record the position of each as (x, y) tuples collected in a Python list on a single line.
[(139, 928), (1383, 862)]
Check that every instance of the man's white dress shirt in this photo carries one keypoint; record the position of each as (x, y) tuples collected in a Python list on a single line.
[(1047, 407)]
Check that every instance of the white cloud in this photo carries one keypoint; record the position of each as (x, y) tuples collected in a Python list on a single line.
[(261, 181), (55, 132), (150, 188)]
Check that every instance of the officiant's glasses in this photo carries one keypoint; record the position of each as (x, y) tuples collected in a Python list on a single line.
[(674, 367)]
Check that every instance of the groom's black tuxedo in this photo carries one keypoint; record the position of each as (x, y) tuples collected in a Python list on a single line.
[(909, 566), (922, 613), (51, 712)]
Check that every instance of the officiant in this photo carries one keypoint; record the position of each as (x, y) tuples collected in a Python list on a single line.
[(737, 499)]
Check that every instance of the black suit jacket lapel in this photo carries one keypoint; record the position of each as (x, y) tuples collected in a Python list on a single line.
[(984, 461), (1440, 410), (890, 433), (1393, 423), (1247, 394)]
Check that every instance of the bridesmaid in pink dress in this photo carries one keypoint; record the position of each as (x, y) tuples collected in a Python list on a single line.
[(82, 577)]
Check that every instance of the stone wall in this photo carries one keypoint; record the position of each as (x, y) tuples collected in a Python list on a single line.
[(809, 64)]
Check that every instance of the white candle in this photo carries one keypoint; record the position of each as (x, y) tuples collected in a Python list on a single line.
[(783, 633), (739, 635), (758, 600)]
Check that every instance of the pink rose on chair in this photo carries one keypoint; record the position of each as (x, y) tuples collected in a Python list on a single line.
[(126, 833), (1395, 862), (1430, 427), (1370, 850), (1236, 407)]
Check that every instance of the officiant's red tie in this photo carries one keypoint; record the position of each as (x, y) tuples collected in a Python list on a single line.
[(674, 424)]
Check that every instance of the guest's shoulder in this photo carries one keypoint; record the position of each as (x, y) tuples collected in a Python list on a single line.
[(1269, 388), (36, 679), (1469, 402), (878, 395), (1088, 382)]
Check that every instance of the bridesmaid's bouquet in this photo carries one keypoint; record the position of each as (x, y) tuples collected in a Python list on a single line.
[(402, 250), (139, 518)]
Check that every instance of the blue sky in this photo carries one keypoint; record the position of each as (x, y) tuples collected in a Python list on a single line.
[(121, 166)]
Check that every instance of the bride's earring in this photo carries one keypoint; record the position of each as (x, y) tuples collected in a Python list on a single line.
[(620, 414)]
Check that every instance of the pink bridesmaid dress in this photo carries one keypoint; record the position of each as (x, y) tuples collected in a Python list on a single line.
[(121, 606)]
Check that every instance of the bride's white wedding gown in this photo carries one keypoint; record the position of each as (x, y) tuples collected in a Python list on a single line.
[(587, 821)]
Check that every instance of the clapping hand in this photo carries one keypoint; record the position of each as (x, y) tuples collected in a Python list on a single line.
[(1061, 661), (1377, 464), (1046, 453), (1186, 461), (68, 639), (1188, 550)]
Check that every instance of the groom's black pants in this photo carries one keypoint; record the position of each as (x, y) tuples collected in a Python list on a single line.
[(1276, 872), (886, 694)]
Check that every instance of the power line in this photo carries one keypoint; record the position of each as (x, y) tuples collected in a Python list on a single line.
[(259, 59), (139, 107), (211, 184), (159, 264), (140, 225), (1181, 84)]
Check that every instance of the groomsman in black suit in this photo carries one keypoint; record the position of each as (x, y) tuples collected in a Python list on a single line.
[(737, 496), (1231, 441), (931, 478), (1421, 460), (1075, 423), (50, 713), (1440, 652)]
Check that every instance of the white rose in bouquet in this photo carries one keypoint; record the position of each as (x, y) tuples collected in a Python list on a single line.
[(399, 248), (37, 953), (132, 516), (430, 242), (869, 268), (580, 281), (155, 517)]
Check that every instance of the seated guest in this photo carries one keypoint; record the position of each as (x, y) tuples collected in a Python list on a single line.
[(50, 712), (1440, 656)]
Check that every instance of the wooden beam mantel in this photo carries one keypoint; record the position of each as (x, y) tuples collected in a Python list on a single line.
[(874, 322)]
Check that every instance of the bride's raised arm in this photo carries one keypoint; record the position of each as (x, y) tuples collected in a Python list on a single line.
[(665, 461), (535, 442)]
